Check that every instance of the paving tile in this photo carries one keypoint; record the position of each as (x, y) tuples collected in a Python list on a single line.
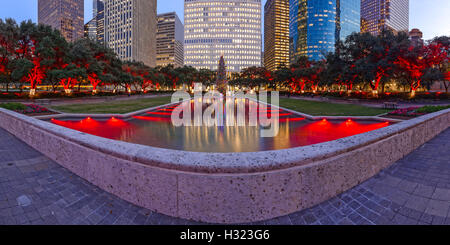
[(417, 203), (424, 190), (438, 208), (407, 186), (441, 194)]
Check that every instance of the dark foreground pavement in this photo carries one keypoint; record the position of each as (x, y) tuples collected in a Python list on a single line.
[(36, 190)]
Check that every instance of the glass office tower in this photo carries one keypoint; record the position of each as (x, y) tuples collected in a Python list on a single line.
[(316, 25)]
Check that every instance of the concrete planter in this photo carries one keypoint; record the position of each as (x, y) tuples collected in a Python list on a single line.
[(225, 187)]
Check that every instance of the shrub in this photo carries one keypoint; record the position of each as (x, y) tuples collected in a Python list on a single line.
[(13, 106), (431, 109), (407, 112)]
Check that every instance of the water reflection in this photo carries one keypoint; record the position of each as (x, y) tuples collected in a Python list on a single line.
[(155, 129)]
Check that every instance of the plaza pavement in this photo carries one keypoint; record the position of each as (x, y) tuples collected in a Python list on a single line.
[(36, 190)]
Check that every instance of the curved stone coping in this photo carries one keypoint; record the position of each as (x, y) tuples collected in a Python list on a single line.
[(242, 162), (225, 187)]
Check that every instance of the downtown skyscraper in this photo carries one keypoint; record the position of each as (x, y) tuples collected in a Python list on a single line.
[(67, 16), (276, 34), (170, 40), (99, 18), (130, 28), (377, 15), (90, 30), (316, 25), (231, 28)]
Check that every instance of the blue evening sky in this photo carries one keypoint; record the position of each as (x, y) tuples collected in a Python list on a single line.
[(430, 16)]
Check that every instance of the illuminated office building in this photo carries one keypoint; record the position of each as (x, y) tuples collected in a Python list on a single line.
[(416, 37), (377, 15), (67, 16), (231, 28), (130, 28), (90, 30), (99, 17), (169, 40), (276, 34), (316, 25)]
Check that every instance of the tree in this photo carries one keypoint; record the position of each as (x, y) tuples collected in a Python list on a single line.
[(439, 50), (9, 32), (39, 49), (422, 63), (282, 76), (169, 75)]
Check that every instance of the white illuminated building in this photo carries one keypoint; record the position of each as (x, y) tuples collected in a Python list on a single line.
[(231, 28)]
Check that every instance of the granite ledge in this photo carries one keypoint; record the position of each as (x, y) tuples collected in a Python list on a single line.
[(225, 163)]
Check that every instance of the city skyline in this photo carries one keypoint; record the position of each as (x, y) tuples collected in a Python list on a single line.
[(434, 22)]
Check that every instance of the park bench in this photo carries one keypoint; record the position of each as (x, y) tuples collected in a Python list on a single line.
[(391, 105)]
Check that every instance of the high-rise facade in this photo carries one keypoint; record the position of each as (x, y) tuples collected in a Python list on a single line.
[(276, 34), (90, 30), (65, 15), (170, 40), (130, 27), (99, 16), (416, 37), (377, 15), (231, 28), (316, 25)]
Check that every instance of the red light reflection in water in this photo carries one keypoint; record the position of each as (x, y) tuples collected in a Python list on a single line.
[(155, 119), (324, 131), (155, 129), (113, 128), (159, 113), (292, 119)]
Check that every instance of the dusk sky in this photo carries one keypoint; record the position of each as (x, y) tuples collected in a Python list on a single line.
[(430, 16)]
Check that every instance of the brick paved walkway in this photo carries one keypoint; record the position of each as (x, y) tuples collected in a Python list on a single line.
[(36, 190)]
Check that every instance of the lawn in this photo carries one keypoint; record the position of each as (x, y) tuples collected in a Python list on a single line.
[(114, 107), (329, 109)]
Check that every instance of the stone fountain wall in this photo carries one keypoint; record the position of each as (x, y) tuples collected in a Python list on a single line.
[(225, 187)]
